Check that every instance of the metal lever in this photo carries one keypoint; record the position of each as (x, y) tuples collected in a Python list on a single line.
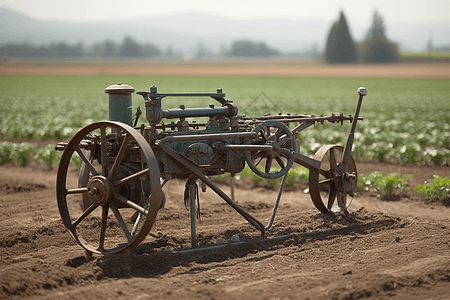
[(351, 136)]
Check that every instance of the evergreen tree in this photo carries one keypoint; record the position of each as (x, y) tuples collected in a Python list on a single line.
[(377, 48), (340, 46)]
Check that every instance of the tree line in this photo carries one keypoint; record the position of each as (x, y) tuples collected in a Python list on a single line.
[(130, 48), (340, 47)]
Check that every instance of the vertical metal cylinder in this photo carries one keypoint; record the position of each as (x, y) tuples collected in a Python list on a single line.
[(120, 105)]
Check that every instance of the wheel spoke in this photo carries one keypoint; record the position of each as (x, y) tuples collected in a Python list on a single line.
[(86, 161), (86, 213), (342, 200), (264, 136), (285, 140), (77, 191), (331, 196), (103, 225), (326, 181), (280, 162), (277, 134), (121, 222), (324, 173), (257, 155), (136, 223), (258, 162), (131, 204), (332, 160), (130, 178), (104, 151), (120, 155), (268, 164)]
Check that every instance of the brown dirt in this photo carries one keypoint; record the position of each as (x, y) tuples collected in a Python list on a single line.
[(233, 68), (381, 249)]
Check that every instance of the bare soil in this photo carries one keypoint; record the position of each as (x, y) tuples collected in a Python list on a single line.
[(381, 250), (229, 68)]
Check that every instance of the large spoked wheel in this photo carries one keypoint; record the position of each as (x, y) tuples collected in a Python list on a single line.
[(334, 181), (277, 161), (118, 188)]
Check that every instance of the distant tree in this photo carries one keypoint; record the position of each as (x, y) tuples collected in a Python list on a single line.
[(340, 46), (55, 49), (376, 47), (248, 49), (109, 49), (130, 48), (150, 50)]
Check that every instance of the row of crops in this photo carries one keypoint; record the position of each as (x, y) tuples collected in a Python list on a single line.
[(394, 185), (405, 120)]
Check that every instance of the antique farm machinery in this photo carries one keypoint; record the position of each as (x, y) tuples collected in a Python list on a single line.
[(125, 166)]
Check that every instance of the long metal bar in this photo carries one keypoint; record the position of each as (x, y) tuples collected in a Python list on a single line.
[(192, 186), (194, 169), (277, 202), (208, 136), (161, 95), (194, 112), (249, 147), (130, 178), (131, 204), (348, 146), (307, 162), (312, 119)]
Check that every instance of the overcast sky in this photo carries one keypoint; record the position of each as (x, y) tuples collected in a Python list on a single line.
[(359, 11)]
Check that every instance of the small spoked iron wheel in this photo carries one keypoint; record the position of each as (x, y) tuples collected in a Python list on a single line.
[(118, 187), (276, 162), (326, 192)]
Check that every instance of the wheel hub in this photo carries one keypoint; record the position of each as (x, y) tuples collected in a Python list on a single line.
[(275, 149), (345, 180), (99, 190)]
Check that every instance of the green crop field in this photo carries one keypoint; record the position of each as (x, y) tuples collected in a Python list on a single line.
[(407, 120)]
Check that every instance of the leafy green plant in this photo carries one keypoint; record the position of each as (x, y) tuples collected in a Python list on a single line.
[(437, 156), (22, 153), (410, 153), (388, 186), (255, 179), (6, 150), (363, 183), (225, 177), (272, 183), (298, 175), (437, 188), (48, 155)]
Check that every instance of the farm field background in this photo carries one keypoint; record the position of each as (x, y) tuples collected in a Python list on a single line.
[(405, 119), (381, 249)]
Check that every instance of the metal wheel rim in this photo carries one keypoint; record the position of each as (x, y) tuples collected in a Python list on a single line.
[(72, 222), (326, 205), (285, 137)]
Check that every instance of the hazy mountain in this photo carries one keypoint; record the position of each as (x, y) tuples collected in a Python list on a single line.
[(185, 32)]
